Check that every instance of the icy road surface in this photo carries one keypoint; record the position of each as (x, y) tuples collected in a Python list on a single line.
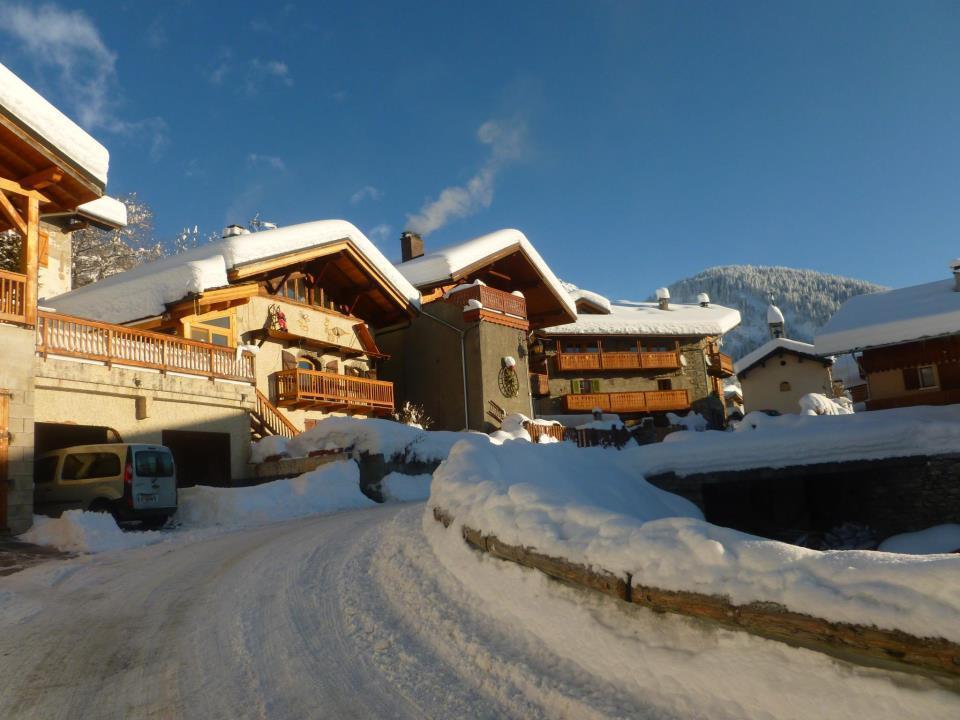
[(358, 615)]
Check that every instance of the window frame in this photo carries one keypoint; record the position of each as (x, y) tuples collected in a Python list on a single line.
[(200, 324)]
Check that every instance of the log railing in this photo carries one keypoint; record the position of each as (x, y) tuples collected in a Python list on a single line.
[(491, 299), (273, 419), (624, 402), (298, 388), (115, 344), (13, 287), (603, 360)]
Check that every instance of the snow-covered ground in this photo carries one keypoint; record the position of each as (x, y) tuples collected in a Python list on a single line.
[(383, 613)]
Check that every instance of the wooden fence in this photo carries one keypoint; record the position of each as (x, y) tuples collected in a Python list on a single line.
[(13, 287), (863, 644)]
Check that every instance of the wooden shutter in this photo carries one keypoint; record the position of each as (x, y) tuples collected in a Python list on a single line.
[(44, 248), (594, 386), (575, 387), (911, 379)]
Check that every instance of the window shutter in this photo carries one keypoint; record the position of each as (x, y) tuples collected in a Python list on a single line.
[(595, 386), (44, 248), (911, 379), (575, 386)]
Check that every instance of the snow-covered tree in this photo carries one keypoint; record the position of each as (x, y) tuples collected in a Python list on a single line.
[(101, 253), (10, 250)]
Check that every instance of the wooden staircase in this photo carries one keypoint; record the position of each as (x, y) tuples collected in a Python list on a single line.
[(268, 420)]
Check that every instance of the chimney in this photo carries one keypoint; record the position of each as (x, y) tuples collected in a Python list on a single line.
[(663, 298), (411, 245), (955, 267), (234, 230), (703, 299), (775, 322)]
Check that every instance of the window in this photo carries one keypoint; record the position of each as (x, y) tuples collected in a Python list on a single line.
[(85, 466), (665, 384), (784, 386), (620, 344), (305, 365), (300, 290), (919, 378), (658, 345), (579, 346), (216, 328), (582, 387), (154, 463)]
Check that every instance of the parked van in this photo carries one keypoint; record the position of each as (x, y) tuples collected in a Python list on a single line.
[(132, 482)]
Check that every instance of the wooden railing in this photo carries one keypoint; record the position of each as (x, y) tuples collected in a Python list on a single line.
[(623, 402), (557, 432), (297, 388), (491, 299), (721, 365), (274, 420), (618, 361), (13, 287), (75, 337)]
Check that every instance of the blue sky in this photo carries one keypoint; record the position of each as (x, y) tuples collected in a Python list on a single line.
[(634, 143)]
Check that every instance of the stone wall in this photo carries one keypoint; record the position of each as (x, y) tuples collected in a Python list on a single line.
[(56, 277), (16, 379)]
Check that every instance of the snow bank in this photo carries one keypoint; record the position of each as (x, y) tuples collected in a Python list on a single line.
[(329, 488), (819, 404), (590, 506), (764, 441), (934, 540), (269, 446), (397, 487), (86, 532)]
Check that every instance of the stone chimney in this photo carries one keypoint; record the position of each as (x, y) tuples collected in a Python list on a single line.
[(703, 299), (775, 321), (411, 245), (663, 298), (955, 267), (234, 230)]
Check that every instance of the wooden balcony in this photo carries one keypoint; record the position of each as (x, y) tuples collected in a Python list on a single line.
[(629, 402), (539, 384), (566, 362), (721, 365), (299, 389), (118, 345), (13, 287), (497, 306)]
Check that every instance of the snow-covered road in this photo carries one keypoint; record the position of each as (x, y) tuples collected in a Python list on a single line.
[(357, 615)]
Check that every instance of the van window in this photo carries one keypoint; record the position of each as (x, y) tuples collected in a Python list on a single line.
[(45, 469), (154, 463), (83, 466)]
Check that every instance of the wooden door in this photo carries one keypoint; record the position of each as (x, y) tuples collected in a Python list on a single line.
[(4, 453)]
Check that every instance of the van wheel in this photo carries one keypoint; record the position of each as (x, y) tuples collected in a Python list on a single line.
[(102, 506), (154, 523)]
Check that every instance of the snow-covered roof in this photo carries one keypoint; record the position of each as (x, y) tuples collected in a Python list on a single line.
[(145, 290), (847, 370), (774, 346), (445, 264), (644, 318), (106, 210), (60, 133), (892, 317), (774, 315), (598, 301)]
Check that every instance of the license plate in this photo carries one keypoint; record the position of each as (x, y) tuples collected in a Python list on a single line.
[(146, 498)]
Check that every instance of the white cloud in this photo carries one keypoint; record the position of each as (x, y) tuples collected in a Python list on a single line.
[(86, 80), (506, 142), (380, 233), (270, 161), (364, 193), (263, 70)]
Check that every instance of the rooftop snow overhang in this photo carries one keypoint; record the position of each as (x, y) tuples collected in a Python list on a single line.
[(648, 320), (741, 368)]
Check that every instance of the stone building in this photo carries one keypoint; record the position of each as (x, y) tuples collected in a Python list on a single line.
[(908, 342), (634, 360), (465, 357), (781, 371)]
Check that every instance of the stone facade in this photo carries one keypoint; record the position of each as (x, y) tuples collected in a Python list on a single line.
[(16, 379), (55, 278)]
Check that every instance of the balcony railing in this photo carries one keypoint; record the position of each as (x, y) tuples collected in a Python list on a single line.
[(617, 361), (628, 402), (115, 344), (721, 365), (299, 389), (491, 299), (12, 305)]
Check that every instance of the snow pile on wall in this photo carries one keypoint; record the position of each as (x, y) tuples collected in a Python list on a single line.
[(937, 539), (326, 489), (819, 404), (764, 441), (590, 506), (397, 487), (86, 532), (270, 446)]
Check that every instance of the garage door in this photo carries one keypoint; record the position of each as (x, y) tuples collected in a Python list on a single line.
[(4, 452), (202, 458)]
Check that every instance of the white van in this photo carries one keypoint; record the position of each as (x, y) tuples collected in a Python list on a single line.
[(132, 482)]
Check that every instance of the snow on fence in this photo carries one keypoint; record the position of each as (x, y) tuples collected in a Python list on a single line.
[(862, 644)]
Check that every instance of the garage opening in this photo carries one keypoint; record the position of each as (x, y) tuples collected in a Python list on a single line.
[(202, 458), (53, 436)]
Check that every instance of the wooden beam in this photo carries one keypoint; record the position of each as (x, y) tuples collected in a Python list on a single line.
[(10, 213), (44, 178), (13, 186), (31, 250)]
